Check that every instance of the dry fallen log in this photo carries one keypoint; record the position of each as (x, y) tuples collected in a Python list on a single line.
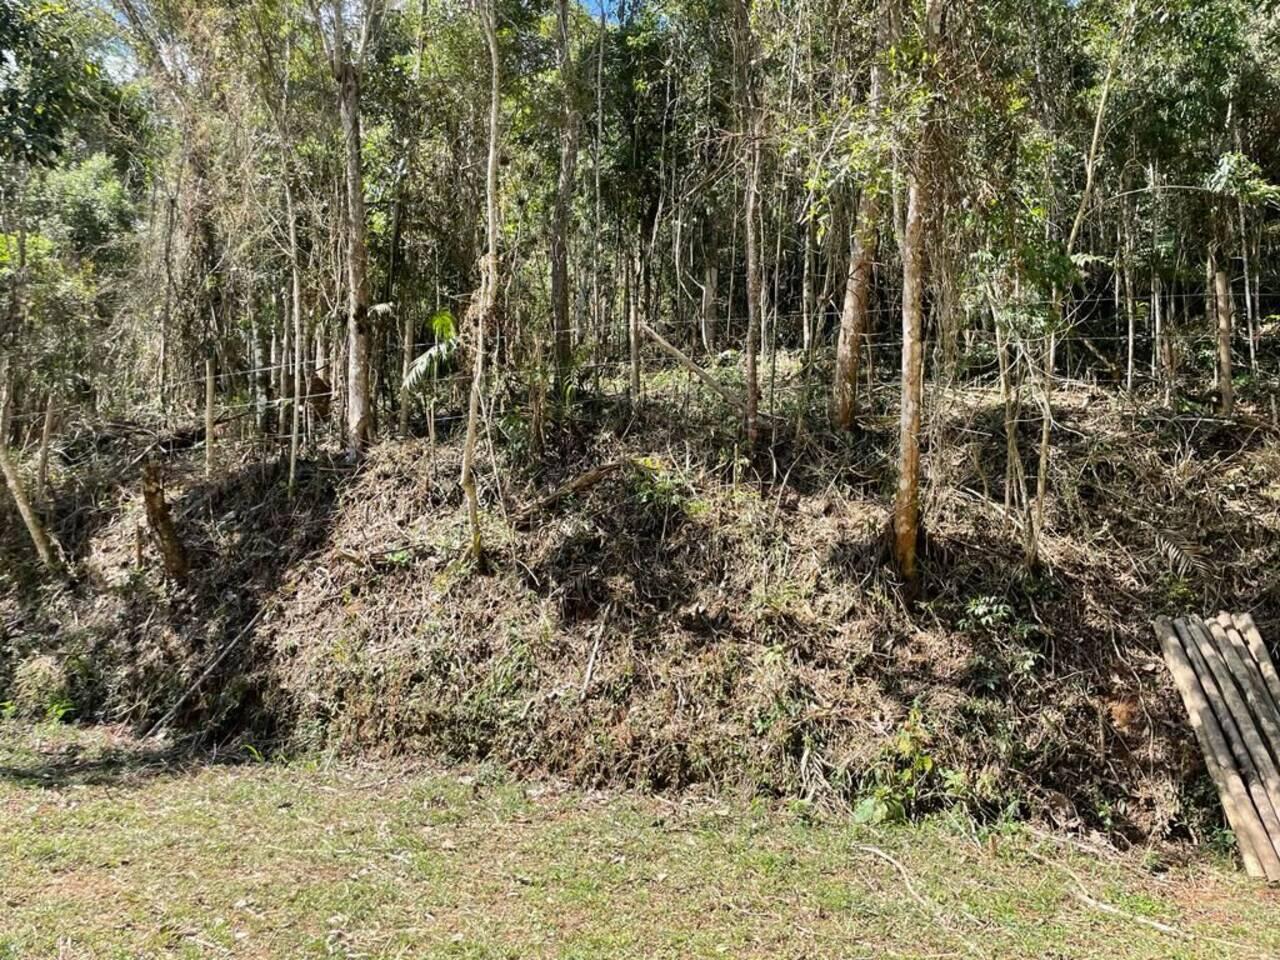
[(1241, 814)]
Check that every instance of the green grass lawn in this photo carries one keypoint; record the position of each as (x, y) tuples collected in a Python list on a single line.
[(109, 851)]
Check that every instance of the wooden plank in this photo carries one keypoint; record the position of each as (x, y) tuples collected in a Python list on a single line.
[(1249, 630), (1249, 679), (1234, 796), (1218, 688)]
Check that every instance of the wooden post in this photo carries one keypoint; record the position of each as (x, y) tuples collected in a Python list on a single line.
[(1259, 761), (1238, 760), (1249, 630), (1250, 681), (1239, 809)]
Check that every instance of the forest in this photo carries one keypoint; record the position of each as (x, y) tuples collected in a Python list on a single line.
[(816, 399)]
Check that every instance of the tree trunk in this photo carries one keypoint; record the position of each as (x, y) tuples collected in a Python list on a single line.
[(564, 197), (1130, 308), (359, 411), (9, 468), (749, 126), (46, 437), (906, 508), (856, 311), (488, 285), (208, 414), (1157, 329), (855, 314), (809, 293), (1222, 290), (261, 376), (172, 552), (633, 322), (1250, 324), (300, 379), (406, 361), (710, 281)]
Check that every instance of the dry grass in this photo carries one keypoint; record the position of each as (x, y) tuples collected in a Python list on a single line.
[(109, 851)]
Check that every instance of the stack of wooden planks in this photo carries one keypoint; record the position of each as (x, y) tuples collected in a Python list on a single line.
[(1231, 690)]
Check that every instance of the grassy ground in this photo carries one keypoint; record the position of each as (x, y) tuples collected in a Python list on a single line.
[(108, 850)]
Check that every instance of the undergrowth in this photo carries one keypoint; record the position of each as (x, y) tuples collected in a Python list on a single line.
[(698, 619)]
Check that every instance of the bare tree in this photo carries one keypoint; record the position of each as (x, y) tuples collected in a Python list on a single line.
[(1225, 316)]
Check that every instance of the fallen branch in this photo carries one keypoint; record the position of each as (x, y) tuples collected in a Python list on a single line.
[(173, 711), (928, 905), (682, 358), (578, 484), (1082, 894)]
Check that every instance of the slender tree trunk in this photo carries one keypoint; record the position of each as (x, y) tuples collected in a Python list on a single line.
[(46, 437), (710, 282), (208, 413), (563, 336), (262, 376), (1130, 310), (171, 204), (13, 480), (809, 293), (633, 322), (1034, 528), (1157, 331), (358, 406), (1250, 325), (749, 127), (406, 361), (172, 553), (597, 302), (1222, 291), (854, 317), (484, 308), (906, 509), (300, 339), (407, 326)]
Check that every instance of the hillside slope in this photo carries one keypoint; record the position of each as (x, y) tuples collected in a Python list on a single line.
[(693, 618)]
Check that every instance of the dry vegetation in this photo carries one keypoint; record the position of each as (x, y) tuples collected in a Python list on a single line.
[(694, 618)]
